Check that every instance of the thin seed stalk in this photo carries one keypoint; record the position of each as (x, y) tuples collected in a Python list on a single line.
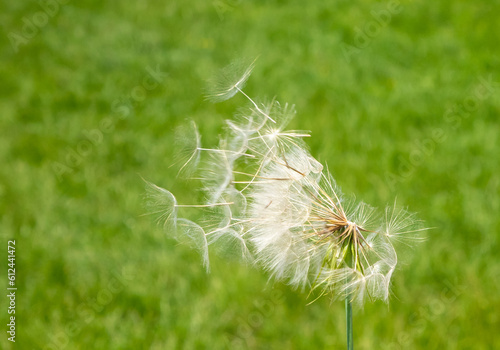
[(348, 317), (348, 302)]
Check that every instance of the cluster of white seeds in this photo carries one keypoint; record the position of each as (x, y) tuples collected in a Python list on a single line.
[(271, 202)]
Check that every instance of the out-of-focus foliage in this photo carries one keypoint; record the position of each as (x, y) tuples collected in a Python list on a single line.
[(401, 101)]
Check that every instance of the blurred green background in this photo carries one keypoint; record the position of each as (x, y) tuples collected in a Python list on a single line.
[(402, 98)]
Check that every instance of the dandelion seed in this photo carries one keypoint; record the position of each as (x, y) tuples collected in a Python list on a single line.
[(230, 80), (163, 204), (188, 141), (192, 234)]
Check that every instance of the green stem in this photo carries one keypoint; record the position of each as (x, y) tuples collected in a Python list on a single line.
[(348, 317)]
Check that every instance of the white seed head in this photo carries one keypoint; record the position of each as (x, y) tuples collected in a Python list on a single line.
[(271, 202)]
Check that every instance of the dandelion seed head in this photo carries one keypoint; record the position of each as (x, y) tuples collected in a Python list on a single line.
[(270, 202)]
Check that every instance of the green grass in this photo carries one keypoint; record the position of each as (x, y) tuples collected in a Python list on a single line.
[(92, 273)]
